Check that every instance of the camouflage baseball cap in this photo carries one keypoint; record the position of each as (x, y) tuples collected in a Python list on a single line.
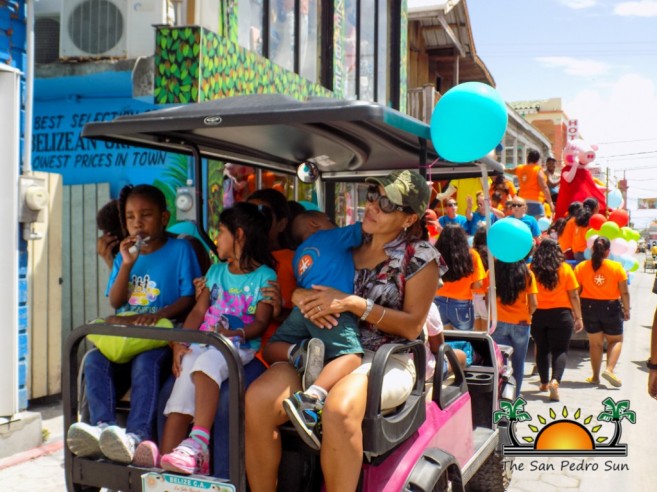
[(406, 188)]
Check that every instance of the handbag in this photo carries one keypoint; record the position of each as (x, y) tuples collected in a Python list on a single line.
[(124, 349)]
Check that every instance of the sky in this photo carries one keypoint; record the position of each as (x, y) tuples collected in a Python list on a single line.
[(599, 57)]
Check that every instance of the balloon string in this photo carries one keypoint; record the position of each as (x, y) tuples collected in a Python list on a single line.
[(429, 166)]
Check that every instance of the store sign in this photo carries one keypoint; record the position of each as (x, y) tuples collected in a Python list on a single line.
[(572, 130)]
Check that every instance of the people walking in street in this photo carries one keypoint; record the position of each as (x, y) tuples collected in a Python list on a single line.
[(516, 302), (465, 273), (558, 312), (605, 303)]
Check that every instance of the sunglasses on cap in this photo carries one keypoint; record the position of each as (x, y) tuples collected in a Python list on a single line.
[(385, 204)]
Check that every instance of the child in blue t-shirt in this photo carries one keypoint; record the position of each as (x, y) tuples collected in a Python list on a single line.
[(152, 276), (231, 303), (323, 258)]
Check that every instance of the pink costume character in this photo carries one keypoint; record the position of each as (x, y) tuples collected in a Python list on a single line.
[(577, 184)]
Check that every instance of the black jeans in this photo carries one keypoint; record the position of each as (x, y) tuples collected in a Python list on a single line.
[(551, 331)]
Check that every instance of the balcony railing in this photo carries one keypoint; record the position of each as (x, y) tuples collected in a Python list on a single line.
[(421, 102)]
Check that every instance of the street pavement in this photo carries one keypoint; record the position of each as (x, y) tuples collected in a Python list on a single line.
[(42, 469)]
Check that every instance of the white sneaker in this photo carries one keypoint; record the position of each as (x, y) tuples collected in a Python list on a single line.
[(82, 440), (117, 445)]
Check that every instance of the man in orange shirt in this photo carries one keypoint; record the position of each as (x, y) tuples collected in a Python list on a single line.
[(533, 185)]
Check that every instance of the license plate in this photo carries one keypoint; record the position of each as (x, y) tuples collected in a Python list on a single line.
[(164, 482)]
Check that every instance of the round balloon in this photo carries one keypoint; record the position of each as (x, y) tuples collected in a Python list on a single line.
[(544, 224), (592, 232), (468, 122), (614, 198), (597, 220), (635, 266), (510, 240), (590, 240), (619, 246), (632, 246), (587, 254), (620, 216), (610, 230)]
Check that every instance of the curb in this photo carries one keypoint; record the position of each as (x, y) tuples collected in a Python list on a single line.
[(31, 454)]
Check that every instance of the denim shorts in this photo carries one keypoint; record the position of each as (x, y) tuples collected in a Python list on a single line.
[(456, 312), (535, 209), (602, 316)]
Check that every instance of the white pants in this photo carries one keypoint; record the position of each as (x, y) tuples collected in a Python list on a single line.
[(207, 360), (398, 378)]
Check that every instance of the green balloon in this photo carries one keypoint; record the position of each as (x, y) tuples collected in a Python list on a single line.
[(635, 266), (627, 233), (591, 232), (610, 230)]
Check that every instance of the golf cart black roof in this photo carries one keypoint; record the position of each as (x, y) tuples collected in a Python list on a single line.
[(347, 139)]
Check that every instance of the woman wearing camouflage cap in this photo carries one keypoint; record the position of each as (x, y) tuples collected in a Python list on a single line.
[(397, 272)]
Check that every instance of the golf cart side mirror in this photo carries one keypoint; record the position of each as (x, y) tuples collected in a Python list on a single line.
[(308, 172)]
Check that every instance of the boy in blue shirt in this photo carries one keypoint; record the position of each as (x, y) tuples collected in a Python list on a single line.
[(323, 258)]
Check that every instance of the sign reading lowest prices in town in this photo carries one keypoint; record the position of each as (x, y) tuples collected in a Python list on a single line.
[(164, 482)]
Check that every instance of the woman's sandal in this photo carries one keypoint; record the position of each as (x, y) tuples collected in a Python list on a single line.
[(590, 380), (543, 387), (612, 378), (553, 388)]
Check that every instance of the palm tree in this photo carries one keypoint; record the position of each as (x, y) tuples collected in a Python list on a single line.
[(615, 412), (512, 413)]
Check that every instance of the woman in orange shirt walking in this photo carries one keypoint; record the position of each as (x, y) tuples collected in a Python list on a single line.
[(603, 286), (552, 323), (465, 273), (590, 207), (516, 301)]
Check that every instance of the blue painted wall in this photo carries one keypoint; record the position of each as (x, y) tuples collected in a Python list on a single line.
[(63, 106), (12, 52)]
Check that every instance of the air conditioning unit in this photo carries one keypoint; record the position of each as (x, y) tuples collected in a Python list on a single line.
[(110, 28)]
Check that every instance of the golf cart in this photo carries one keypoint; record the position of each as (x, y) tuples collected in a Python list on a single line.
[(446, 441)]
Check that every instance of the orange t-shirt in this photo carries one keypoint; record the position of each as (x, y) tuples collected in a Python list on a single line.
[(528, 182), (579, 238), (601, 284), (518, 312), (287, 282), (558, 297), (566, 238), (462, 289)]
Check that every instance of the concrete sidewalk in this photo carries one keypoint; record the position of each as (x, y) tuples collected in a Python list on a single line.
[(41, 468)]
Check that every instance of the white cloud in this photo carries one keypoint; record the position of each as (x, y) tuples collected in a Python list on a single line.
[(579, 4), (575, 66), (642, 8)]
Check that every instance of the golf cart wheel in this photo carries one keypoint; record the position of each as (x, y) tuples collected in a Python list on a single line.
[(492, 476)]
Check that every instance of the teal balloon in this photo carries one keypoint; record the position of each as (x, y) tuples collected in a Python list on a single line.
[(468, 122), (610, 230), (587, 254), (509, 240), (614, 198), (544, 224)]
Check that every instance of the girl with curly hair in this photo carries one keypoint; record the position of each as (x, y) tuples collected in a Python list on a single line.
[(558, 313), (465, 273), (516, 302)]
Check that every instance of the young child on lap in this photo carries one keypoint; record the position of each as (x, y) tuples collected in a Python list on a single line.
[(323, 258)]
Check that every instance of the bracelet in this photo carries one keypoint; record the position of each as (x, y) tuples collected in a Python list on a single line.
[(243, 332), (369, 304), (381, 318), (650, 365)]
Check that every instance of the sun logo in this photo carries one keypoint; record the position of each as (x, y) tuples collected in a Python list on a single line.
[(305, 262), (565, 436)]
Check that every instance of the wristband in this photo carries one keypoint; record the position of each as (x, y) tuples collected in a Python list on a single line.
[(650, 365), (369, 304), (243, 333)]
